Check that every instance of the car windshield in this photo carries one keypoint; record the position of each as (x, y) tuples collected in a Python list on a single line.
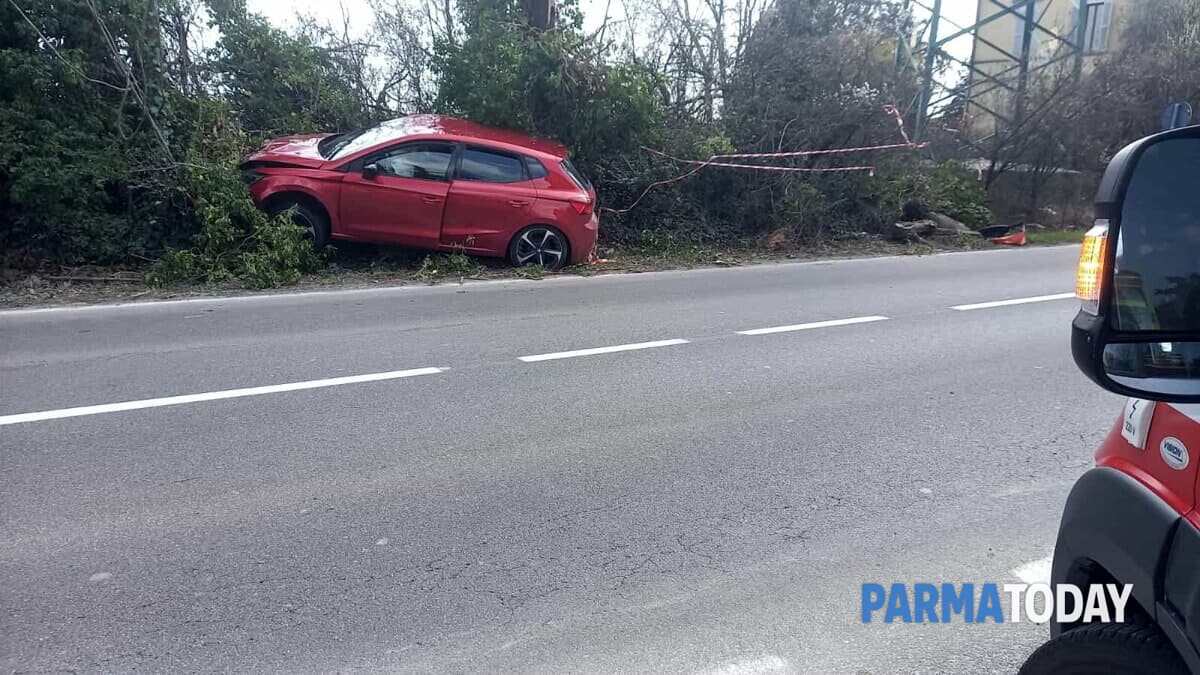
[(328, 147), (344, 145), (341, 145)]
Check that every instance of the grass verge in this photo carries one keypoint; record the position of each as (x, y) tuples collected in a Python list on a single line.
[(361, 265), (1050, 237)]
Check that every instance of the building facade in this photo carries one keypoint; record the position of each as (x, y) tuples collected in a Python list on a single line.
[(1000, 46)]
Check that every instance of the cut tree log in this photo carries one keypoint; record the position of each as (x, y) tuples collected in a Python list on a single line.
[(922, 231), (949, 224), (915, 230)]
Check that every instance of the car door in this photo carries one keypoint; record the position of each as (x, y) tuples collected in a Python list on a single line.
[(397, 196), (490, 199)]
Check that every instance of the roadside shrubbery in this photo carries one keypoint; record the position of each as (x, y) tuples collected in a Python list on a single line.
[(949, 189), (437, 266), (235, 240), (125, 150)]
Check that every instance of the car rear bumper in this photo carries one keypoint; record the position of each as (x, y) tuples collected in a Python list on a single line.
[(583, 240)]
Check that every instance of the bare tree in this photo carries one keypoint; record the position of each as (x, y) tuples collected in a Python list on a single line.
[(1156, 62), (405, 40), (694, 44), (181, 20)]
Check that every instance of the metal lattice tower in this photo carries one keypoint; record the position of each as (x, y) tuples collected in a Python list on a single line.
[(1008, 74)]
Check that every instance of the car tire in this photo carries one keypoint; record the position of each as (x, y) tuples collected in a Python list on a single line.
[(540, 245), (1104, 648), (313, 220)]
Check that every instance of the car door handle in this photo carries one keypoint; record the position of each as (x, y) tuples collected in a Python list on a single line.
[(429, 199), (518, 202)]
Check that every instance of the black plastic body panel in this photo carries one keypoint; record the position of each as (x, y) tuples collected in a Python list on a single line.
[(1112, 521), (1181, 582)]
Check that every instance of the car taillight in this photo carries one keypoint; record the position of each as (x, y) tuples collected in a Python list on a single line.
[(581, 207), (1091, 267)]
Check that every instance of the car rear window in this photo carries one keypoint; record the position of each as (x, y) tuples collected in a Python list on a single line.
[(490, 167), (535, 168), (576, 175)]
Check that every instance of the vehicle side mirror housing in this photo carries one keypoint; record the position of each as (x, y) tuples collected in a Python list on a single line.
[(370, 171), (1137, 332)]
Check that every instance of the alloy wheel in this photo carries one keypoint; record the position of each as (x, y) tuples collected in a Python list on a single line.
[(542, 246), (302, 220)]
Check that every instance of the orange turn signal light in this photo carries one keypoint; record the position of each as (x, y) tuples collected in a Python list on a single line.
[(1090, 273)]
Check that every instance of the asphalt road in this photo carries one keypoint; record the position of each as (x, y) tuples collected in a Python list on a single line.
[(709, 504)]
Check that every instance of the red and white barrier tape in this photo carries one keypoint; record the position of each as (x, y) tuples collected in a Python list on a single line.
[(712, 161), (895, 112), (832, 151), (761, 167)]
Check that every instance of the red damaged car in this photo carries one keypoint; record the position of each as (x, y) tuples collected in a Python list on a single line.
[(432, 182)]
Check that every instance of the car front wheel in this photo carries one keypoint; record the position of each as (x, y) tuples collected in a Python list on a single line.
[(539, 245), (1106, 649), (312, 220)]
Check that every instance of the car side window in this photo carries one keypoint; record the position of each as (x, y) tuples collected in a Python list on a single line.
[(490, 167), (425, 161)]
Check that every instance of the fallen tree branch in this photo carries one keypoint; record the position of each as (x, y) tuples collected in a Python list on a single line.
[(95, 279)]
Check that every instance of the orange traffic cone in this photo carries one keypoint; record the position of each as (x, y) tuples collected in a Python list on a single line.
[(1014, 239)]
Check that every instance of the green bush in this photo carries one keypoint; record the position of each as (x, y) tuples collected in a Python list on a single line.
[(236, 240), (279, 83), (174, 267), (949, 189), (441, 266), (84, 176), (958, 194)]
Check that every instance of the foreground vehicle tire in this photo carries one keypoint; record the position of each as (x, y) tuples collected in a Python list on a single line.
[(540, 245), (1106, 648), (313, 220)]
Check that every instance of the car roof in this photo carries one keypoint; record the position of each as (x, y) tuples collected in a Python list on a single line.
[(460, 129)]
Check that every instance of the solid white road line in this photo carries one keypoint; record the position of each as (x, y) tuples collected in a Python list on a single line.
[(1014, 301), (211, 396), (601, 350), (758, 666), (1036, 572), (816, 324)]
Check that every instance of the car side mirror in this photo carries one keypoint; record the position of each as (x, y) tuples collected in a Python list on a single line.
[(370, 171), (1138, 328)]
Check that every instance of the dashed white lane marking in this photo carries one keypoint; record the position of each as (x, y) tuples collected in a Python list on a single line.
[(1036, 572), (815, 324), (1014, 301), (601, 350), (211, 396), (762, 664)]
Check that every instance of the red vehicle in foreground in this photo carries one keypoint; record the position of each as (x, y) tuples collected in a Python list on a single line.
[(432, 182), (1135, 517)]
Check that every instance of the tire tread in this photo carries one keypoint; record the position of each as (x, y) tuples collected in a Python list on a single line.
[(1070, 651)]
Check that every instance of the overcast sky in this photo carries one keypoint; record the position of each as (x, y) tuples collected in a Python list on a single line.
[(282, 12)]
